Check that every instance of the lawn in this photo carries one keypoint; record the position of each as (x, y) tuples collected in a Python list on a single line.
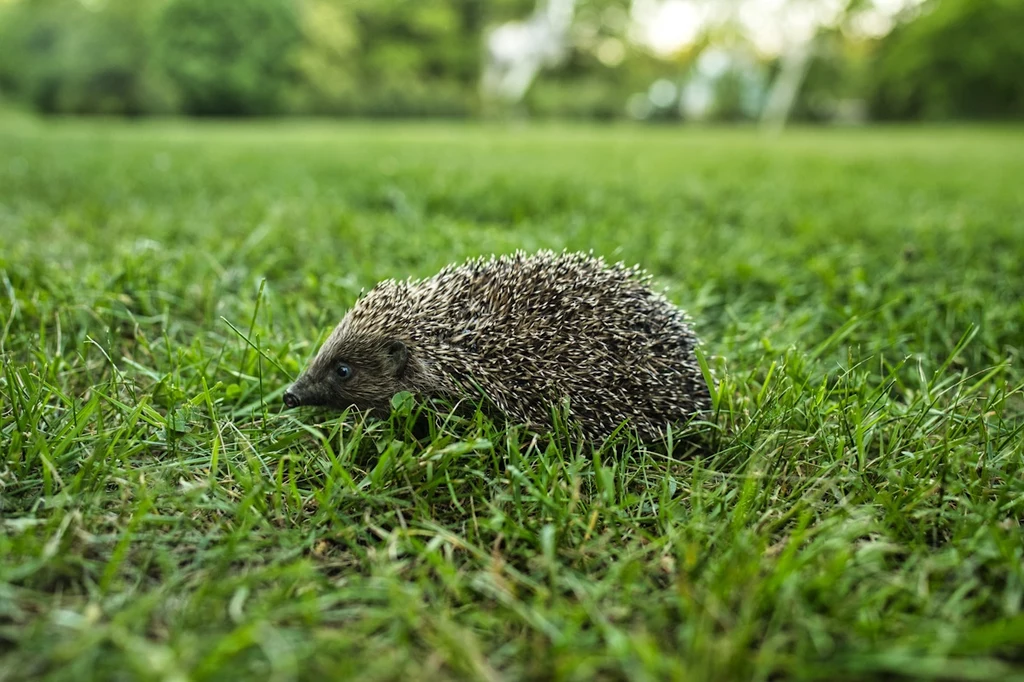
[(851, 510)]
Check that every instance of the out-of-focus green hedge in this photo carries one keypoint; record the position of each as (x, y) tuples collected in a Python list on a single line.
[(959, 59), (61, 57), (234, 58), (244, 57)]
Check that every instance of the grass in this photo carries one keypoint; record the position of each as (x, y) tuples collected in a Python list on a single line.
[(852, 513)]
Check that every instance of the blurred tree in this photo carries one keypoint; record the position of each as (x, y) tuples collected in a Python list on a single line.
[(62, 57), (328, 58), (419, 58), (602, 68), (230, 57), (837, 73), (957, 59)]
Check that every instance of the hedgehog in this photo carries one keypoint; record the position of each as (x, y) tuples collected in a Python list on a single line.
[(526, 333)]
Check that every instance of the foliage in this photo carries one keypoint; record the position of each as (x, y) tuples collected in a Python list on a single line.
[(594, 98), (417, 58), (838, 71), (64, 58), (327, 57), (954, 59), (229, 57), (851, 511), (959, 59)]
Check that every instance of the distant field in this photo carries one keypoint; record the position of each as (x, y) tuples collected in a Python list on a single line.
[(853, 511)]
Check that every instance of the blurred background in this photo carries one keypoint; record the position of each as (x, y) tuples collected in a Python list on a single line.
[(839, 61)]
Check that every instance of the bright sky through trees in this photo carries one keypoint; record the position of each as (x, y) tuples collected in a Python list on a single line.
[(668, 26)]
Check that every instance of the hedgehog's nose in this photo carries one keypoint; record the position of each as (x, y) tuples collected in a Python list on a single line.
[(290, 399)]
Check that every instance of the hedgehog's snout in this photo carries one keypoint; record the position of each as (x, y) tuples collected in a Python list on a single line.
[(297, 394)]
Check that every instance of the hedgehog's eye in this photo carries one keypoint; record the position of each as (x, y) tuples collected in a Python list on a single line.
[(344, 371)]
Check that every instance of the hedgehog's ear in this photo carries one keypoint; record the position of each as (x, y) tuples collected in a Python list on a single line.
[(398, 354)]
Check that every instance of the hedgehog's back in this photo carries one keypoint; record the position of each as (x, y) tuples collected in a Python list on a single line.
[(532, 330)]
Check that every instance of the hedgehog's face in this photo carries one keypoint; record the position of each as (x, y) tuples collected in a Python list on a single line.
[(364, 373)]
